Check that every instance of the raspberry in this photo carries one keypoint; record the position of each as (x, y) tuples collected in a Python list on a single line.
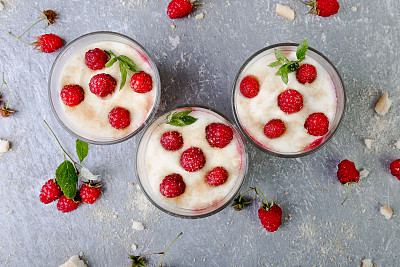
[(141, 82), (274, 129), (102, 84), (219, 135), (193, 159), (50, 192), (48, 43), (347, 172), (317, 124), (172, 186), (65, 204), (306, 73), (96, 59), (89, 193), (323, 8), (119, 118), (290, 101), (217, 176), (171, 140), (72, 95), (179, 9), (395, 168), (271, 218), (249, 86)]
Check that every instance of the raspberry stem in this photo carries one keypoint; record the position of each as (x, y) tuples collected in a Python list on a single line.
[(9, 93), (159, 263), (266, 201), (19, 37), (348, 192)]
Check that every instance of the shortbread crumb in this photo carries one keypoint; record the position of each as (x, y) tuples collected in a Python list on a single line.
[(397, 144), (364, 173), (367, 263), (383, 105), (137, 226), (368, 142), (199, 16), (285, 11), (387, 212), (4, 146), (74, 261), (134, 247)]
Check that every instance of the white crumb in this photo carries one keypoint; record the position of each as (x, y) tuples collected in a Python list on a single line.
[(115, 216), (364, 173), (10, 212), (368, 142), (387, 212), (134, 247), (80, 254), (4, 146), (354, 8), (367, 263), (1, 6), (175, 41), (173, 26), (199, 16), (74, 261), (137, 226), (285, 11), (383, 105), (397, 144)]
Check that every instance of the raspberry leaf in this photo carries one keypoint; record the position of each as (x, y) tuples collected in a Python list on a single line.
[(180, 119), (67, 178), (302, 50), (82, 149)]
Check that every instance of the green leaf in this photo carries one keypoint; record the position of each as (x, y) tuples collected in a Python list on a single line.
[(302, 50), (111, 62), (285, 78), (110, 53), (137, 261), (274, 64), (122, 68), (132, 66), (188, 120), (280, 56), (67, 178), (180, 119), (82, 149), (182, 113)]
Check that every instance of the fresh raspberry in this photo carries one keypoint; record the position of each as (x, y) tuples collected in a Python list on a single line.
[(171, 140), (179, 9), (172, 186), (317, 124), (271, 218), (102, 84), (119, 118), (395, 168), (72, 95), (323, 8), (290, 101), (274, 128), (217, 176), (306, 73), (193, 159), (50, 192), (65, 204), (347, 172), (96, 59), (249, 86), (89, 193), (219, 135), (48, 43), (141, 82)]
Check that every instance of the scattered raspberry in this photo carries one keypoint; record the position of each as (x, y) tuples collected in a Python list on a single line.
[(48, 43), (141, 82), (72, 95), (119, 118), (172, 186), (171, 140), (102, 84), (347, 172), (50, 192), (217, 176), (317, 124), (90, 193), (323, 8), (274, 128), (306, 73), (395, 168), (65, 204), (271, 218), (219, 135), (96, 59), (249, 86), (290, 101), (193, 159), (179, 9)]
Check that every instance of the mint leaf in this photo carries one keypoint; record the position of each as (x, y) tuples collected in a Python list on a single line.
[(111, 62), (182, 113), (285, 78), (110, 53), (122, 68), (302, 50), (280, 56), (82, 149), (180, 119), (67, 178), (274, 64), (132, 66), (125, 64)]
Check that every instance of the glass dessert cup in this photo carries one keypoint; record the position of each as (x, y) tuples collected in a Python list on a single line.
[(336, 83), (151, 138), (57, 72)]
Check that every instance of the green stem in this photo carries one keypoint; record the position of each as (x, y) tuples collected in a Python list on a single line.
[(266, 201), (348, 192), (8, 88), (16, 38), (19, 37), (159, 263), (240, 198), (304, 2)]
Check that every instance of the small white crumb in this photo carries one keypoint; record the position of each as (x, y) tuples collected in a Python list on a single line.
[(367, 263), (175, 41), (383, 105), (4, 146), (137, 226), (285, 11), (74, 261), (173, 26), (199, 16), (397, 144), (2, 6), (80, 254), (133, 247), (363, 210), (364, 173), (354, 8), (10, 212), (387, 212), (369, 142), (115, 216)]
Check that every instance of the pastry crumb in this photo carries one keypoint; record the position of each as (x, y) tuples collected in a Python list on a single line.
[(133, 247), (199, 16), (364, 173), (10, 212), (1, 6), (368, 142), (4, 146), (74, 261), (285, 11), (387, 212), (367, 263), (354, 8), (397, 144), (383, 105), (173, 26), (137, 226)]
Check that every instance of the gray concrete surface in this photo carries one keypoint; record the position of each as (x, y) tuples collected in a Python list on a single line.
[(197, 62)]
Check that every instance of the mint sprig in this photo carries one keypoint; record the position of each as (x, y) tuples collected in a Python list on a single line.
[(82, 149), (125, 64), (287, 65), (180, 118)]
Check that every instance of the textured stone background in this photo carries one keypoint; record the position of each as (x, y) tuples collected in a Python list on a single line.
[(197, 62)]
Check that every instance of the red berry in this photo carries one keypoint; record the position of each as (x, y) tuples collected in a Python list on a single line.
[(249, 86), (274, 129), (290, 101), (219, 135), (193, 159), (317, 124), (270, 218), (179, 9), (102, 84), (217, 176), (96, 59), (141, 82), (306, 73), (172, 186), (119, 118), (395, 168), (326, 8), (50, 192), (171, 140), (65, 204), (72, 95), (89, 194), (48, 43), (347, 172)]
